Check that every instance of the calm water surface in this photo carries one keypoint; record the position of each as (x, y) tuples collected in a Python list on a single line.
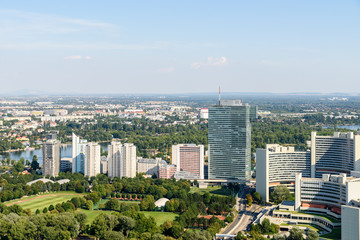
[(66, 151)]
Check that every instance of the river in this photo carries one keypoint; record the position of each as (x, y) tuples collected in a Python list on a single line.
[(66, 152)]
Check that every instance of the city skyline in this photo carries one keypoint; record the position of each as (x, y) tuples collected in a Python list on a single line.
[(161, 47)]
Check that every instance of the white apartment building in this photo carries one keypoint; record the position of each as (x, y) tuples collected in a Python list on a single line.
[(278, 165), (121, 160), (92, 160), (78, 154)]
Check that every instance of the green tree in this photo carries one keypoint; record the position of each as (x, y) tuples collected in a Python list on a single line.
[(312, 235), (89, 205), (112, 204), (112, 235), (257, 197), (296, 234), (196, 235), (148, 203), (34, 163), (94, 197), (249, 200), (126, 224), (280, 193)]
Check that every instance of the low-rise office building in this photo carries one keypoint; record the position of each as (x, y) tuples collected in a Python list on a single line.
[(326, 194), (149, 166), (167, 171)]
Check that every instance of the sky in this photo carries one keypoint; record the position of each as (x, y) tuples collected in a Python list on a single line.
[(187, 46)]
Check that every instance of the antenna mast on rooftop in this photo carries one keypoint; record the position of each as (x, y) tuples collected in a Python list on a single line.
[(219, 96)]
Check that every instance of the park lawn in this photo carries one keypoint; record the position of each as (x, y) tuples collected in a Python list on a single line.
[(92, 214), (214, 190), (43, 200), (335, 234), (161, 217)]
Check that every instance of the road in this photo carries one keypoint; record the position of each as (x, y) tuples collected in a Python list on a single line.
[(244, 218)]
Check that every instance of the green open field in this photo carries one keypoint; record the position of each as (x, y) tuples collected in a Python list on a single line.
[(92, 214), (160, 217), (43, 200), (335, 234), (214, 190)]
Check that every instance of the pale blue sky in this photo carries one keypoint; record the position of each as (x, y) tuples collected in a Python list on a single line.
[(180, 46)]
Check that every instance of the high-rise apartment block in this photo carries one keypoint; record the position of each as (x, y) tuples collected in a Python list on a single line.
[(189, 158), (78, 154), (51, 158), (278, 165), (230, 140), (85, 157), (121, 160), (92, 159)]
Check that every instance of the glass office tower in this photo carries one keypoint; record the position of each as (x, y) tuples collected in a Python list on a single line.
[(230, 140)]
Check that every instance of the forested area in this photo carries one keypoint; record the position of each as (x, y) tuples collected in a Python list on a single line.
[(122, 221)]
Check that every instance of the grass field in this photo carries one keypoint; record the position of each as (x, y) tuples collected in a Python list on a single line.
[(161, 217), (215, 190), (92, 214), (43, 200), (335, 234)]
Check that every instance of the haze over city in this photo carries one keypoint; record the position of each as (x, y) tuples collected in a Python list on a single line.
[(122, 47)]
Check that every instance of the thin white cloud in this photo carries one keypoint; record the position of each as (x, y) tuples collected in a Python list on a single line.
[(210, 62), (77, 57), (166, 70), (13, 20), (78, 46)]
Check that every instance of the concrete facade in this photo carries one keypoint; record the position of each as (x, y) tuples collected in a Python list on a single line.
[(278, 165), (339, 153), (51, 158), (92, 160), (328, 193), (189, 158), (350, 223), (167, 172), (121, 160)]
